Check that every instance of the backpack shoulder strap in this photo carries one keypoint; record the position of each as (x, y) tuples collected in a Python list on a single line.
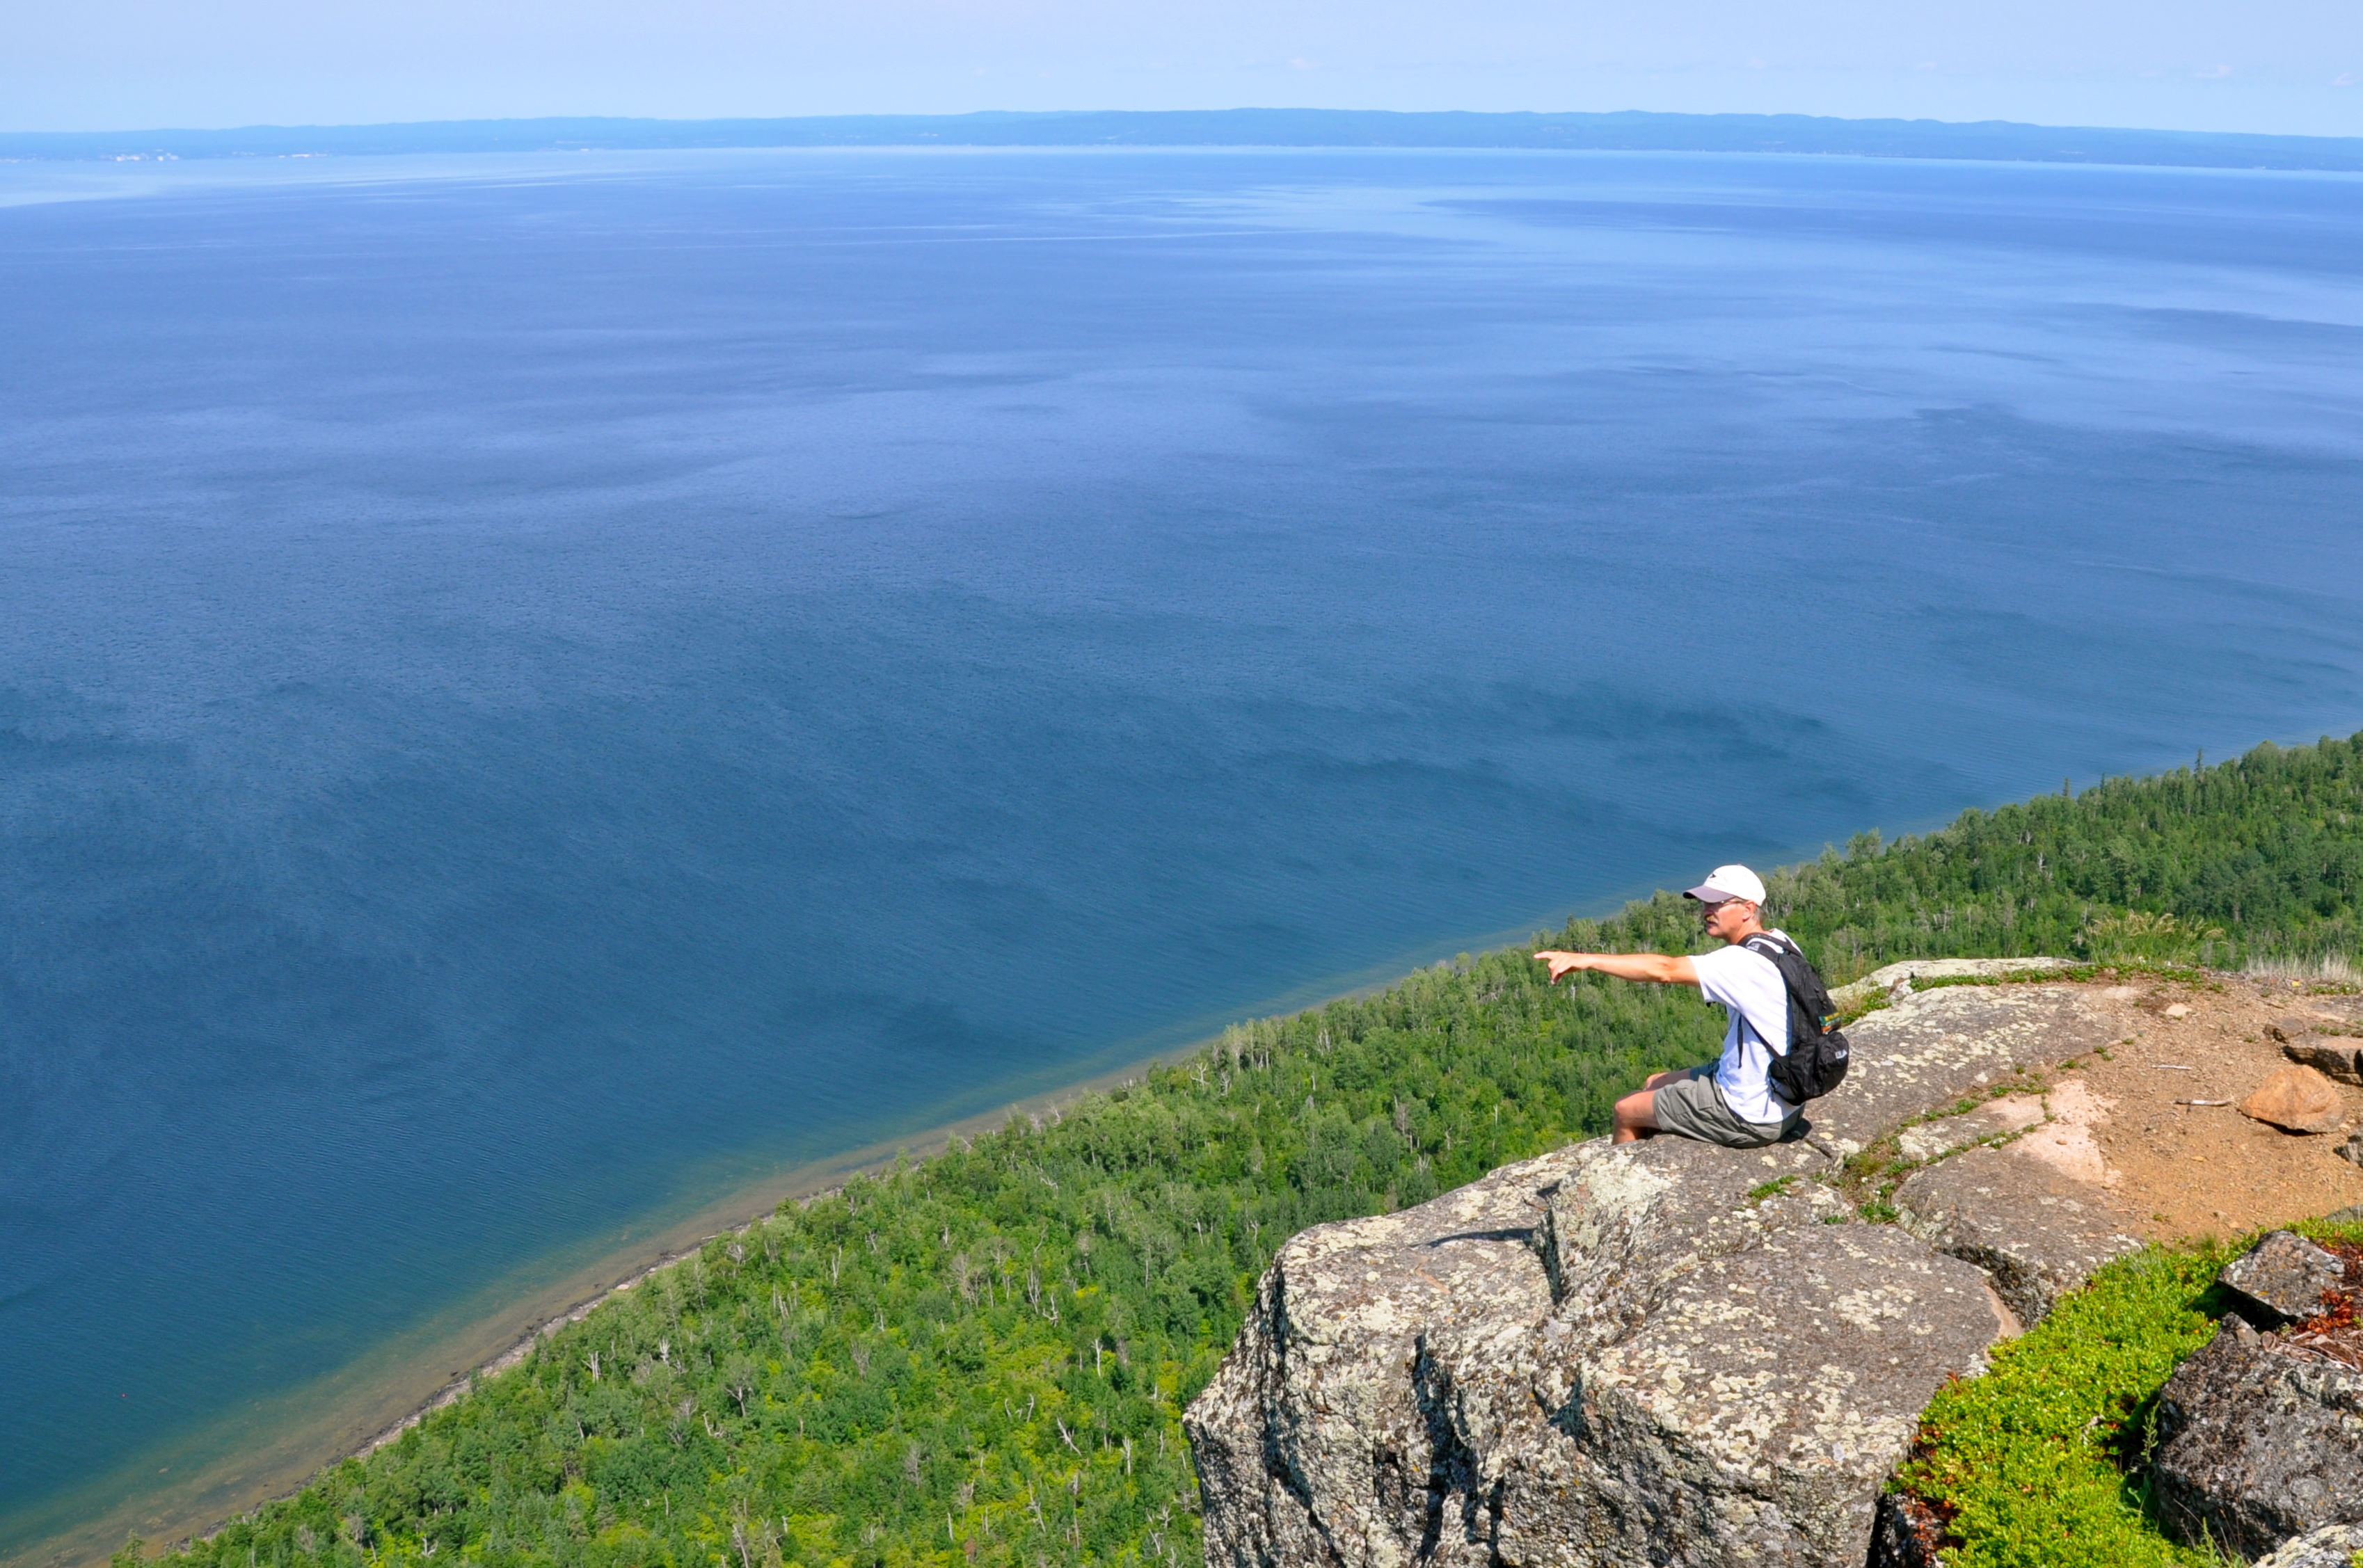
[(1805, 1022)]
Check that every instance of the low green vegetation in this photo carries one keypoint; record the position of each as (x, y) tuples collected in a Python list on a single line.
[(2261, 857), (984, 1357), (2040, 1461), (2029, 1463)]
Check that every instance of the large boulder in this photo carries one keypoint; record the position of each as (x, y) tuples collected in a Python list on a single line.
[(2260, 1441), (1657, 1353), (1315, 1444), (1756, 1407), (2296, 1099)]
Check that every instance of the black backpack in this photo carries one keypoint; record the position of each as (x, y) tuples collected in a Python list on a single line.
[(1816, 1062)]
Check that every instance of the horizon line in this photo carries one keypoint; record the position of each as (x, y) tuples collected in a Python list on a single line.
[(1405, 129)]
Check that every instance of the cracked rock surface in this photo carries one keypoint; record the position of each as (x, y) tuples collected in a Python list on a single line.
[(1951, 1134), (1933, 1048), (1662, 1352), (1901, 976), (2037, 1232)]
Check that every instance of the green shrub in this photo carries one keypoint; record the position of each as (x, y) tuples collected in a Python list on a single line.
[(2024, 1462), (2138, 934), (2039, 1464)]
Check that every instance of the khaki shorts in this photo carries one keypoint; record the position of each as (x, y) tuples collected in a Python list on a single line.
[(1695, 1108)]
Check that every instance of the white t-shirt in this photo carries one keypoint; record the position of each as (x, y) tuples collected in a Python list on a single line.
[(1750, 986)]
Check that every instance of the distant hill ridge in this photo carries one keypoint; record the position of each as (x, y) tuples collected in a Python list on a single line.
[(1630, 130)]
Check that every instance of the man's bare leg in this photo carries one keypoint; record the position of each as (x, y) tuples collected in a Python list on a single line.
[(1635, 1116)]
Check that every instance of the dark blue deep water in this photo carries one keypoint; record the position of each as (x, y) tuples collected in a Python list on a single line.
[(535, 689)]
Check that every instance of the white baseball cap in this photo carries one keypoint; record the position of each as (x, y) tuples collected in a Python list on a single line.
[(1729, 882)]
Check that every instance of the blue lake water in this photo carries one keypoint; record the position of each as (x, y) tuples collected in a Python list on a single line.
[(531, 689)]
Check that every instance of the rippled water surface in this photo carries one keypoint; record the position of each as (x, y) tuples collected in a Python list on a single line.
[(535, 691)]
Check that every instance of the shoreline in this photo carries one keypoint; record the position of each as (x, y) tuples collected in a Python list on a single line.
[(289, 1441), (247, 1459), (819, 1178), (804, 1183), (356, 1411)]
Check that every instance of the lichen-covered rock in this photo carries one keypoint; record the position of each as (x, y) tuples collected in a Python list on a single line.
[(1623, 1215), (1657, 1352), (2039, 1234), (2332, 1546), (2286, 1274), (1314, 1443), (1756, 1410), (1903, 974), (1934, 1048), (2296, 1099), (2258, 1442), (1661, 1353)]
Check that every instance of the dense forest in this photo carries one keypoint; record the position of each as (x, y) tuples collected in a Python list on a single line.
[(983, 1356)]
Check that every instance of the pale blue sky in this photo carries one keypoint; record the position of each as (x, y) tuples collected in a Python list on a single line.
[(2264, 65)]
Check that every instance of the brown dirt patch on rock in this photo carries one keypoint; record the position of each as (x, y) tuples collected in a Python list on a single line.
[(2180, 1170)]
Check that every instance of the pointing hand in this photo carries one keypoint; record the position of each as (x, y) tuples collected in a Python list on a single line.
[(1562, 964)]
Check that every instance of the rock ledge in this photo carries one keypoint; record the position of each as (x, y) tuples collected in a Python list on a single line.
[(1663, 1353)]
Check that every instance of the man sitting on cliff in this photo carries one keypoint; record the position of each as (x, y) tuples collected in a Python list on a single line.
[(1731, 1102)]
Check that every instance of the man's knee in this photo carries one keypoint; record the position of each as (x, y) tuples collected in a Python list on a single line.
[(1638, 1110)]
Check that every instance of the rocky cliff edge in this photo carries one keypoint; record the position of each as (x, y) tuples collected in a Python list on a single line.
[(1661, 1353)]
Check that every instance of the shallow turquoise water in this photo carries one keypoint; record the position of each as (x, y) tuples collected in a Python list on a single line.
[(529, 684)]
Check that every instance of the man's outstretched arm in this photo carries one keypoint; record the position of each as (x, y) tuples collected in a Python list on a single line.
[(1677, 971)]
